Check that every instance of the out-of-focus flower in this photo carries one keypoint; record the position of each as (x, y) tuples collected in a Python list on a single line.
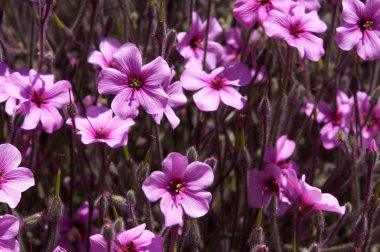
[(101, 127), (9, 228), (217, 86), (263, 185), (361, 28), (191, 44), (176, 98), (280, 155), (40, 98), (104, 57), (297, 28), (59, 249), (135, 84), (13, 179), (180, 188), (313, 197), (334, 121)]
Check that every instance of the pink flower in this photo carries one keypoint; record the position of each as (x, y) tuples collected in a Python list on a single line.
[(9, 228), (313, 197), (136, 239), (263, 185), (11, 102), (334, 121), (176, 98), (101, 127), (40, 99), (104, 57), (191, 44), (361, 28), (280, 155), (217, 86), (13, 179), (135, 84), (297, 27), (180, 188), (59, 249)]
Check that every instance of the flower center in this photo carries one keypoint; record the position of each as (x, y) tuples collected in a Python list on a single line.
[(263, 2), (100, 133), (271, 186), (37, 99), (176, 186), (217, 83), (130, 247), (135, 82), (365, 25), (337, 119), (196, 43), (295, 30)]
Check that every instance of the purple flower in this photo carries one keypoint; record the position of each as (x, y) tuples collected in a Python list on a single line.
[(9, 228), (104, 57), (4, 74), (334, 121), (180, 188), (361, 28), (59, 249), (40, 99), (101, 127), (263, 185), (135, 84), (297, 27), (217, 86), (176, 98), (313, 197), (13, 179), (191, 44)]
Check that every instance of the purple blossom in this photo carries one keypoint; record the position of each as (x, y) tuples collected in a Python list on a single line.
[(217, 86), (13, 179), (180, 188), (361, 28), (135, 84), (9, 228)]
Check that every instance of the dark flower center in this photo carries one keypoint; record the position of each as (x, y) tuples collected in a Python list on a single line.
[(37, 99), (130, 247), (176, 186), (295, 30), (365, 25), (271, 186), (101, 133), (263, 2), (135, 82), (196, 43), (217, 83), (337, 119)]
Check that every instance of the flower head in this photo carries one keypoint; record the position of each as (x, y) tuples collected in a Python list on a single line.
[(104, 57), (13, 179), (361, 28), (101, 127), (135, 84), (217, 86), (40, 98), (9, 228), (180, 188), (191, 44), (297, 28)]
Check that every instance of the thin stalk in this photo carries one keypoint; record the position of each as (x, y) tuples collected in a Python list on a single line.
[(173, 238), (158, 141), (207, 31)]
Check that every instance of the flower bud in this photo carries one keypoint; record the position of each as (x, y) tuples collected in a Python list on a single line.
[(371, 154), (118, 200), (118, 225), (265, 108), (131, 197), (18, 119), (192, 154), (107, 232), (212, 161), (55, 210), (33, 219)]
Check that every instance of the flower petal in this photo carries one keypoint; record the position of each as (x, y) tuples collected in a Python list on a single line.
[(125, 104), (10, 157), (369, 47), (155, 185), (128, 60), (207, 99), (353, 11), (51, 119), (155, 73), (153, 99), (172, 210), (194, 79), (9, 227), (20, 178), (111, 81), (348, 36), (231, 97), (174, 165), (196, 203), (59, 94), (198, 175), (18, 86)]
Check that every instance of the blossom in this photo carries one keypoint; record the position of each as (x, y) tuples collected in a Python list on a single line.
[(40, 98), (217, 86), (9, 228), (180, 188), (59, 249), (313, 197), (334, 120), (101, 127), (135, 84), (263, 185), (361, 28), (13, 179), (4, 96), (176, 98), (191, 44), (297, 28), (280, 155)]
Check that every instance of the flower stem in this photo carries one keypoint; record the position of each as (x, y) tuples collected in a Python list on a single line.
[(207, 31), (173, 238)]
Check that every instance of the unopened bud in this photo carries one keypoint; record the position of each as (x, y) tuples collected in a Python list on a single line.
[(107, 232), (171, 39), (265, 108), (101, 202), (34, 219), (212, 161), (131, 197), (18, 119), (192, 154), (118, 200), (55, 210), (118, 225), (371, 153)]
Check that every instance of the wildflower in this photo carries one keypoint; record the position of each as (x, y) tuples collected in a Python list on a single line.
[(101, 127), (104, 57), (297, 28), (180, 188), (40, 98), (191, 44), (9, 228), (217, 86), (176, 98), (135, 84), (361, 28), (13, 179)]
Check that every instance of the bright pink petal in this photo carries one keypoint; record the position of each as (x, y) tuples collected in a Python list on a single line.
[(20, 178), (369, 47), (118, 130), (18, 86), (108, 46), (144, 242), (231, 97), (96, 58), (128, 60), (32, 116), (172, 210), (174, 165), (172, 117), (99, 117), (131, 235), (276, 24), (198, 175), (245, 12), (196, 203), (9, 226), (10, 158), (353, 11), (176, 95), (155, 73), (155, 186), (125, 104), (329, 203), (348, 36), (11, 245), (153, 99), (51, 119), (98, 243), (111, 81), (237, 75), (10, 195), (207, 99), (58, 95), (285, 148), (194, 79), (312, 23)]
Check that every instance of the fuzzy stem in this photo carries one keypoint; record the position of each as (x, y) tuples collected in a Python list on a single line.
[(207, 31), (173, 238)]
